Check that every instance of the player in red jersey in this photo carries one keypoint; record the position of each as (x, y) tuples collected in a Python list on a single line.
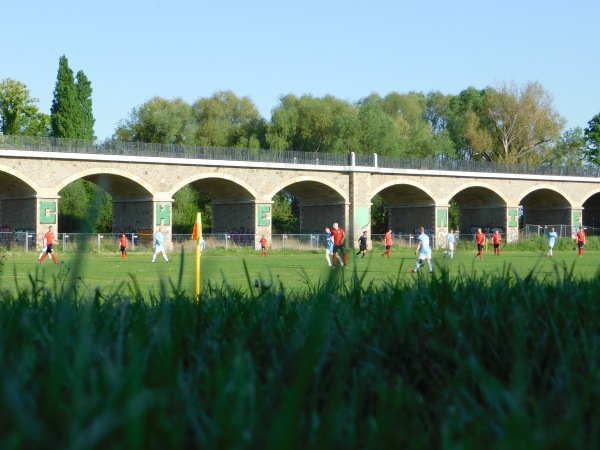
[(339, 239), (580, 240), (496, 238), (388, 243), (123, 244), (49, 239), (263, 245), (480, 240)]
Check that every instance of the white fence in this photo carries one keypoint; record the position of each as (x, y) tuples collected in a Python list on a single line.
[(24, 240)]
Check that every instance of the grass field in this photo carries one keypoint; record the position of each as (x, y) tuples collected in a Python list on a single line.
[(295, 271), (495, 354)]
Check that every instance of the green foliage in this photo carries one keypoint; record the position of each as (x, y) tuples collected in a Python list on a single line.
[(285, 216), (310, 124), (223, 120), (84, 207), (570, 149), (453, 215), (71, 112), (187, 202), (19, 116), (379, 133), (592, 134), (379, 215)]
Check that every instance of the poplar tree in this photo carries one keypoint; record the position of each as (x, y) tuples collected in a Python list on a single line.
[(71, 112), (71, 117), (84, 100)]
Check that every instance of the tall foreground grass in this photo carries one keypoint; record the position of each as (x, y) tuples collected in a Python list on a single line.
[(461, 363)]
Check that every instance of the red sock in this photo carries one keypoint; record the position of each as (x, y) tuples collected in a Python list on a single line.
[(43, 257), (580, 251), (54, 259)]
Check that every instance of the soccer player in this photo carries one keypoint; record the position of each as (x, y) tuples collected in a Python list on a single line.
[(423, 250), (580, 240), (451, 242), (480, 240), (496, 238), (551, 241), (362, 245), (339, 239), (159, 245), (329, 245), (388, 244), (263, 245), (123, 243), (49, 239)]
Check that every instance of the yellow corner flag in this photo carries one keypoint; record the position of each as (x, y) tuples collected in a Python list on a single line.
[(197, 236)]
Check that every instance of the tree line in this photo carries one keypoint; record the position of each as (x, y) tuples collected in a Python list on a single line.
[(506, 123)]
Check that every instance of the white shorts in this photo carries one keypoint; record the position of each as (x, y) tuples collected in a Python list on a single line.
[(551, 245), (451, 246), (328, 252), (424, 256)]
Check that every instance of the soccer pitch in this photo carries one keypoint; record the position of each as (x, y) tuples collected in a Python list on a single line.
[(294, 271)]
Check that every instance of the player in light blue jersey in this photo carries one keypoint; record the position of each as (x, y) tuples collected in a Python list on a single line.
[(423, 250), (328, 245), (451, 243), (159, 245), (551, 241)]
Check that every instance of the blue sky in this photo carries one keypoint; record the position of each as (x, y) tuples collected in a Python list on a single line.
[(134, 50)]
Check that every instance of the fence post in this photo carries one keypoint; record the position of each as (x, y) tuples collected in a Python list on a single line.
[(99, 238), (65, 236)]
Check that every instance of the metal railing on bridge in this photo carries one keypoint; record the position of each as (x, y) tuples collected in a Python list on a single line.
[(117, 148)]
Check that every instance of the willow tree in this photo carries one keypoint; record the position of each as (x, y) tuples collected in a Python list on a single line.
[(524, 123)]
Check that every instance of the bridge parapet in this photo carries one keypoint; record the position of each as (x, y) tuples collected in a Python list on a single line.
[(350, 159)]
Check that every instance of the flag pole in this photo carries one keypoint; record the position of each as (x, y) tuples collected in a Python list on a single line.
[(197, 234)]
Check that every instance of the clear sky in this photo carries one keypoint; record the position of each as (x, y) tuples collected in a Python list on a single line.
[(132, 50)]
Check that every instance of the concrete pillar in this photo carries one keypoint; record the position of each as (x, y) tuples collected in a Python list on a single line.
[(576, 220), (264, 224), (162, 217), (441, 226), (359, 208), (47, 215), (512, 224)]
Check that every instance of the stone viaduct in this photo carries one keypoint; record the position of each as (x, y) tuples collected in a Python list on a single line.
[(242, 190)]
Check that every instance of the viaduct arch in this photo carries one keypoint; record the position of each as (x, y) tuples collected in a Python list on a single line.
[(242, 192)]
